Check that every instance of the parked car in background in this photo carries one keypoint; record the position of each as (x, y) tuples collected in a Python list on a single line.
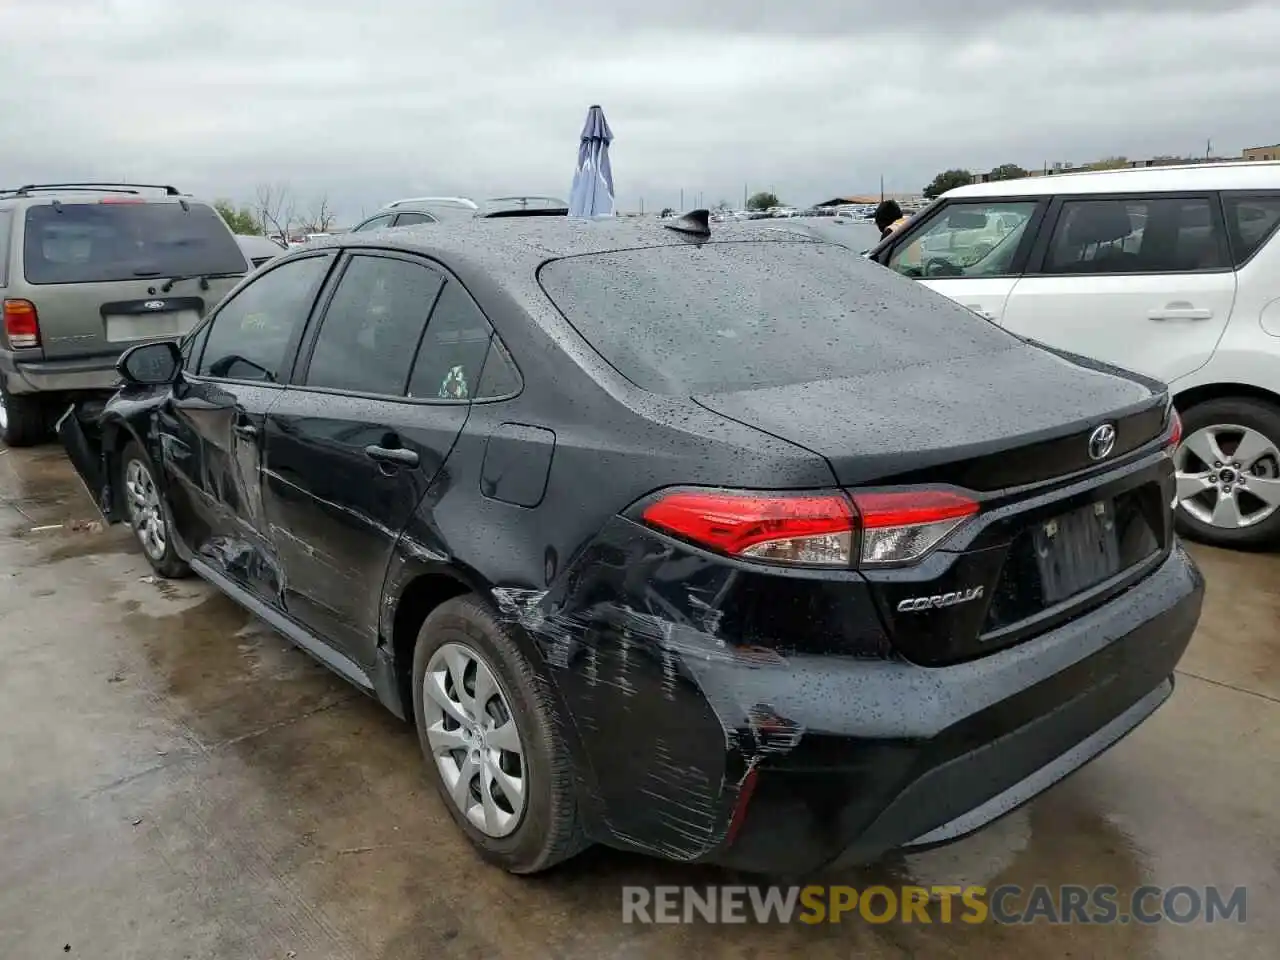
[(585, 501), (415, 210), (260, 250), (1173, 272), (87, 269)]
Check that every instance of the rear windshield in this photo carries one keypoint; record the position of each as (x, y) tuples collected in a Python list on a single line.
[(103, 242), (683, 320)]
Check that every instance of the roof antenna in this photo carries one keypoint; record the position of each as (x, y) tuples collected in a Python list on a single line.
[(695, 222)]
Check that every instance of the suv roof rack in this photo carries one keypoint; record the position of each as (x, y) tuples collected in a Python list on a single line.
[(90, 186), (458, 201)]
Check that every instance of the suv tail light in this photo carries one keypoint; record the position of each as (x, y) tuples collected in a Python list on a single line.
[(813, 529), (21, 323)]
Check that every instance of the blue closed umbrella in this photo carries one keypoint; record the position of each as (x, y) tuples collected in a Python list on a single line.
[(592, 193)]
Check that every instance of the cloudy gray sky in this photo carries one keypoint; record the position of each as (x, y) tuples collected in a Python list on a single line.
[(366, 101)]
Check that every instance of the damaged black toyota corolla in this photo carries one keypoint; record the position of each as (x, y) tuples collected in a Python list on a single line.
[(727, 547)]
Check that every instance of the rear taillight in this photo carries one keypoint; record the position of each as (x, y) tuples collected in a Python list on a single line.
[(899, 526), (1173, 432), (814, 529), (21, 323)]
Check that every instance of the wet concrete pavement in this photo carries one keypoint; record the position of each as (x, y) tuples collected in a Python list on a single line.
[(177, 781)]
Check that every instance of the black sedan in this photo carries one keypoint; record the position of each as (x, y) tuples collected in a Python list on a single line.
[(720, 544)]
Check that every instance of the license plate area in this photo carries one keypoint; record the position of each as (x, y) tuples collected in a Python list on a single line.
[(122, 327), (1076, 550)]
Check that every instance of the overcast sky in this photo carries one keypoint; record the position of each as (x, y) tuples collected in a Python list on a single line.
[(367, 101)]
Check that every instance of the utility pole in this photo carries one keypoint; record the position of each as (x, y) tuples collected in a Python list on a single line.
[(882, 188), (744, 196), (682, 199)]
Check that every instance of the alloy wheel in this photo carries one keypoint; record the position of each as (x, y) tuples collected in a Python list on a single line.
[(145, 512), (1228, 476), (474, 739), (4, 414)]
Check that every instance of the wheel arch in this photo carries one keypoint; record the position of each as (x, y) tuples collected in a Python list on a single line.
[(1193, 396)]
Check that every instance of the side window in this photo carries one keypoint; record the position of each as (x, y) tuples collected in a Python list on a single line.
[(375, 224), (406, 219), (248, 338), (452, 354), (1250, 221), (6, 221), (1169, 235), (966, 240), (500, 377), (193, 344), (372, 326)]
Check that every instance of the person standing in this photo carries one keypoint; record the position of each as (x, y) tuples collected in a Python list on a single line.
[(889, 217)]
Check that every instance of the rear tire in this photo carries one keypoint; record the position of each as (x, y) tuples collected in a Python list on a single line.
[(149, 513), (23, 420), (510, 739), (1228, 469)]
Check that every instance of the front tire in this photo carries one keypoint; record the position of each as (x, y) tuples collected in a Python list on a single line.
[(490, 739), (1228, 473), (23, 420), (149, 513)]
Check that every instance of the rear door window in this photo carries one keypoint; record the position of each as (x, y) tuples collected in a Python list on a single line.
[(1251, 220), (1138, 235), (691, 319), (113, 241), (452, 355), (408, 219), (371, 328), (377, 223)]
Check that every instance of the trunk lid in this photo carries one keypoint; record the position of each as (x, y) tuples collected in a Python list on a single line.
[(986, 422), (96, 271)]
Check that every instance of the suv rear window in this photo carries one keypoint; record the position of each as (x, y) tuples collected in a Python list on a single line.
[(105, 242), (715, 317)]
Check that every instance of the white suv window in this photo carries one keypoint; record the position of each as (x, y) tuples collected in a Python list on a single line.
[(1165, 235), (1251, 221), (966, 240)]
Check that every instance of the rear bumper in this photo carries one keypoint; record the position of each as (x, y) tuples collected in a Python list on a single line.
[(975, 740), (80, 375)]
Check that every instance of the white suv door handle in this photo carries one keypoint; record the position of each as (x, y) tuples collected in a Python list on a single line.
[(1172, 312), (984, 314)]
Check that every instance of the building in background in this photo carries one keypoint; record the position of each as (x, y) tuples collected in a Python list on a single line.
[(1262, 153)]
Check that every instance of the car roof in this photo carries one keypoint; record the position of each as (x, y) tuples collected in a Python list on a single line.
[(1238, 175), (518, 246)]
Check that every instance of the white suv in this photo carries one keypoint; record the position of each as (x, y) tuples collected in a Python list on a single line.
[(1173, 272)]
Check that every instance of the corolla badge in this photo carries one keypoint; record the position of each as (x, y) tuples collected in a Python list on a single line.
[(1102, 441), (914, 604), (154, 305)]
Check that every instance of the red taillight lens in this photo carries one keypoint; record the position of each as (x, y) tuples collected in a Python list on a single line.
[(814, 529), (899, 526), (21, 323), (1174, 435), (785, 528)]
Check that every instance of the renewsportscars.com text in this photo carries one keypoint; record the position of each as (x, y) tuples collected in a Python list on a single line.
[(1009, 904)]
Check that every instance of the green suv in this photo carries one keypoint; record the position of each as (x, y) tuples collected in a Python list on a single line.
[(89, 269)]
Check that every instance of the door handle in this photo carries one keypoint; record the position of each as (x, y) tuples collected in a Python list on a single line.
[(1180, 313), (984, 314), (401, 455), (246, 430)]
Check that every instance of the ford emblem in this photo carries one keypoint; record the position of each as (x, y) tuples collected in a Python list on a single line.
[(154, 305)]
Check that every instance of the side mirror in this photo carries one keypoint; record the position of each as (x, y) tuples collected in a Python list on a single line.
[(150, 364)]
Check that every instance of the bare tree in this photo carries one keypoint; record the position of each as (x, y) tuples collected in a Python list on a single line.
[(275, 209), (320, 219)]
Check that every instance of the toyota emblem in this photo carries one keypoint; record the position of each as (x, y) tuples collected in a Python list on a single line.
[(154, 305), (1102, 441)]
